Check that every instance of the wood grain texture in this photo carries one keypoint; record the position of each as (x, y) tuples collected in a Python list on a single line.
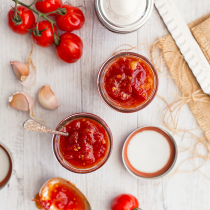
[(75, 86)]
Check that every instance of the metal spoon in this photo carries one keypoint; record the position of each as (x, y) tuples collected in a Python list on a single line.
[(32, 125)]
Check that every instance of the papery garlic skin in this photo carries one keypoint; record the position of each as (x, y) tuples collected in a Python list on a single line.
[(47, 98), (21, 70), (31, 79)]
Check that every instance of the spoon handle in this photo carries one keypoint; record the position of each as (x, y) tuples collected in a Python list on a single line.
[(32, 125)]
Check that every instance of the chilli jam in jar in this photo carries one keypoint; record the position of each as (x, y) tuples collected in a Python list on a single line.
[(127, 82), (88, 145)]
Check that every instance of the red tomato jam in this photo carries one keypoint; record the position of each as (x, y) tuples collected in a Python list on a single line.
[(86, 145), (64, 198), (128, 82)]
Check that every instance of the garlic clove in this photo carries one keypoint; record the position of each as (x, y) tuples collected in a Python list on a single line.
[(26, 73), (21, 70), (22, 101), (19, 101), (47, 98)]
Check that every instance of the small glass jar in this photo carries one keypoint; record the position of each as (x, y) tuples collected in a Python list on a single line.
[(6, 179), (56, 150), (104, 95), (127, 17)]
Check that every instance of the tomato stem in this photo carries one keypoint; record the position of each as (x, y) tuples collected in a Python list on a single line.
[(59, 11), (37, 26), (33, 3), (137, 209), (55, 36), (15, 17)]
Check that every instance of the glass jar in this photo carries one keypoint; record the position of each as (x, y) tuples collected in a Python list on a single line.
[(7, 164), (56, 141), (108, 100), (127, 17)]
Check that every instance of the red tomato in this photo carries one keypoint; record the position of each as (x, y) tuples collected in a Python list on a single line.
[(46, 39), (70, 48), (125, 202), (74, 19), (47, 6), (27, 17)]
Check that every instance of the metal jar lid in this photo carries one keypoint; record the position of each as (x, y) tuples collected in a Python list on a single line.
[(166, 135), (123, 16)]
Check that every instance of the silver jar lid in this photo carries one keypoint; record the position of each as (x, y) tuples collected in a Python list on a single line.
[(166, 135), (123, 16)]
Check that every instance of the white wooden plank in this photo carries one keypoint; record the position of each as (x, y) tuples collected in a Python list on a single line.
[(75, 86), (110, 181)]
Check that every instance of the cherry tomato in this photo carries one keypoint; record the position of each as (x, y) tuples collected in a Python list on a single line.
[(70, 47), (125, 202), (74, 19), (46, 39), (27, 17), (47, 6)]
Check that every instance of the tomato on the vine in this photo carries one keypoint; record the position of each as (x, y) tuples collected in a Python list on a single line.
[(70, 48), (125, 202), (46, 38), (22, 21), (73, 19), (47, 6)]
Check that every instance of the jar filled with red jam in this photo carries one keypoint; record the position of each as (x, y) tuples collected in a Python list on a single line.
[(127, 82), (88, 145)]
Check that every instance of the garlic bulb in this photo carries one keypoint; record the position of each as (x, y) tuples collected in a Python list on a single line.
[(26, 73), (47, 98), (23, 102)]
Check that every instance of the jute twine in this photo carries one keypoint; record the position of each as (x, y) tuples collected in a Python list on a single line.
[(164, 50)]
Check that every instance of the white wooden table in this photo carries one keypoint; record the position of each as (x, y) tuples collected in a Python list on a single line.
[(75, 86)]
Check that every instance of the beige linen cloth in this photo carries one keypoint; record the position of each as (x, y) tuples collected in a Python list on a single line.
[(198, 102)]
